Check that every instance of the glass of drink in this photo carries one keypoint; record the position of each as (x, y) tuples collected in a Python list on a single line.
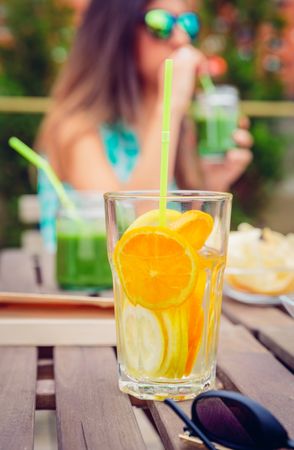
[(167, 268), (217, 113), (81, 256)]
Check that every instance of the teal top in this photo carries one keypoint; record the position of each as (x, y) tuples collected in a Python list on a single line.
[(122, 151)]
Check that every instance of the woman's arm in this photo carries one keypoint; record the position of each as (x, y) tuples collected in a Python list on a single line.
[(83, 160)]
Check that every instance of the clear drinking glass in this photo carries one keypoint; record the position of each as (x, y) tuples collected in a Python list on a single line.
[(168, 277), (81, 255), (217, 113)]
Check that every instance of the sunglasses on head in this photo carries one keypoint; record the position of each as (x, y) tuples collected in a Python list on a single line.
[(233, 420), (160, 23)]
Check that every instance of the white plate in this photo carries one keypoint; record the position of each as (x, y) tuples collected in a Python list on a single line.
[(253, 299)]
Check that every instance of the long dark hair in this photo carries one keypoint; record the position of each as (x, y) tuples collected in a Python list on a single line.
[(100, 77)]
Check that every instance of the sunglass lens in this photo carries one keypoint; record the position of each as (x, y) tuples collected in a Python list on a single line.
[(159, 23), (226, 420), (190, 23)]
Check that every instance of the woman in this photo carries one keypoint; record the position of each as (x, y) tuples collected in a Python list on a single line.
[(104, 130)]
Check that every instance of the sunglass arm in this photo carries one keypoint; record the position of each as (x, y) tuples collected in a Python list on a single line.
[(191, 425)]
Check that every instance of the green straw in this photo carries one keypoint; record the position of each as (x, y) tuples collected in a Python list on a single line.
[(206, 83), (211, 122), (165, 139), (43, 164)]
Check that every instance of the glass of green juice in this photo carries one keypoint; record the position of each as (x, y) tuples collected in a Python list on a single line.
[(81, 256), (216, 113)]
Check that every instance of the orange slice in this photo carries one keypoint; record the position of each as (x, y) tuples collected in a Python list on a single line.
[(195, 226), (195, 335), (156, 267), (195, 320)]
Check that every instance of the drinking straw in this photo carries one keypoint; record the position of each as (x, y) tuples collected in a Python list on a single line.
[(165, 139), (211, 122), (44, 165), (206, 82)]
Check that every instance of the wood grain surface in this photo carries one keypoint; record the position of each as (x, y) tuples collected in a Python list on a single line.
[(91, 411), (17, 397), (245, 365), (272, 326)]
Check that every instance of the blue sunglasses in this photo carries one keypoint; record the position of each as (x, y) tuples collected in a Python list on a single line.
[(161, 23), (233, 420)]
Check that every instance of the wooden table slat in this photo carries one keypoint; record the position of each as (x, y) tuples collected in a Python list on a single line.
[(45, 395), (244, 364), (169, 425), (91, 411), (18, 371), (274, 328), (17, 272)]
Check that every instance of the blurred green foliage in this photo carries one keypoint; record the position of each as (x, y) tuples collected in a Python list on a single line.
[(234, 27), (41, 32)]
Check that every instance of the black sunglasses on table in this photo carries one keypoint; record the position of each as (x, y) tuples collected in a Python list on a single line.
[(161, 23), (233, 420)]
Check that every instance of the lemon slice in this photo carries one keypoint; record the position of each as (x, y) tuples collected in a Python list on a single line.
[(269, 282), (151, 218), (175, 324), (144, 342)]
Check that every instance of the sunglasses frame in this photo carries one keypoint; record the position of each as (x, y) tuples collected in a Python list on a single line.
[(175, 21), (271, 433)]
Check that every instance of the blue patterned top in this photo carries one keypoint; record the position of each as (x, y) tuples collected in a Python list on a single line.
[(122, 151)]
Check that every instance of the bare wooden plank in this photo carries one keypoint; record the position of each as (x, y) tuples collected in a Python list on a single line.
[(255, 108), (59, 325), (45, 394), (272, 327), (29, 208), (91, 411), (245, 365), (169, 425), (18, 368), (17, 272), (248, 107), (280, 342), (25, 104)]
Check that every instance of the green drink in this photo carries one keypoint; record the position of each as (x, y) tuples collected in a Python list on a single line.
[(82, 261), (215, 134), (216, 120), (81, 257)]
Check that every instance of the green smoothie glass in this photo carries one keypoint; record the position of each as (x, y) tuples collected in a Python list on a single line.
[(216, 113), (81, 257)]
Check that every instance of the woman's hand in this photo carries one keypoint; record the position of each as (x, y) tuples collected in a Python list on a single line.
[(220, 176), (186, 64)]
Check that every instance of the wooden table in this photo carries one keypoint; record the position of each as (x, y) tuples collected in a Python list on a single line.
[(256, 357)]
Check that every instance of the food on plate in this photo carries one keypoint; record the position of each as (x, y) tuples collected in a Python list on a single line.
[(260, 261)]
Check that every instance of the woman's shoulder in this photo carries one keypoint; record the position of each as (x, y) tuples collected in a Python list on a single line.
[(60, 138)]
